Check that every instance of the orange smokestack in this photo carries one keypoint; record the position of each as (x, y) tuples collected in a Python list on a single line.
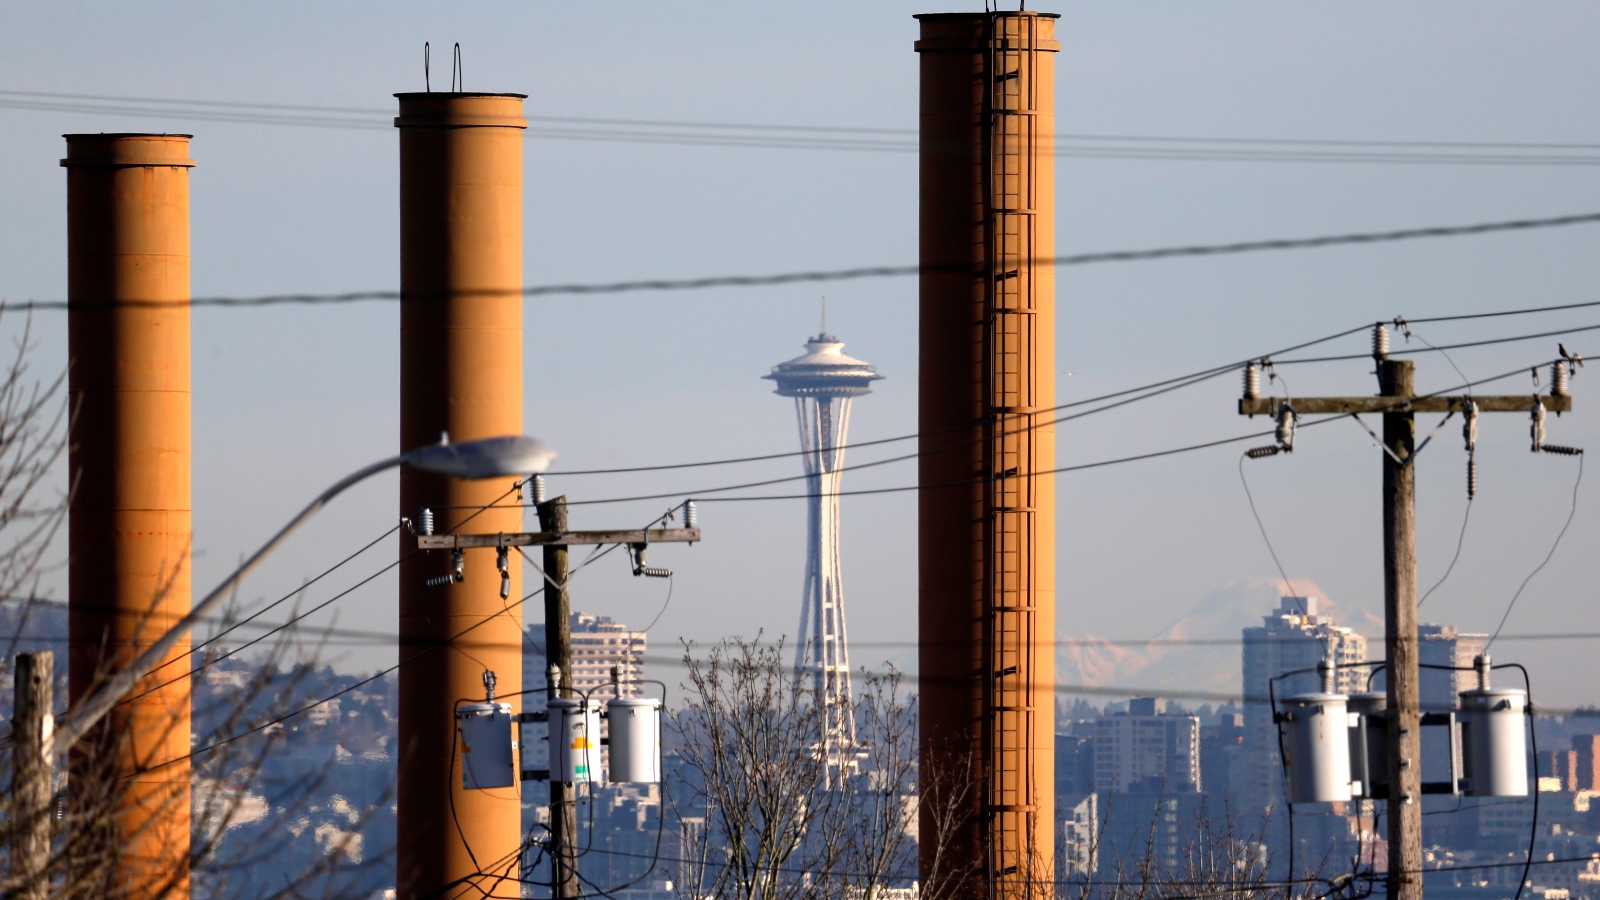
[(130, 532), (460, 372), (986, 519)]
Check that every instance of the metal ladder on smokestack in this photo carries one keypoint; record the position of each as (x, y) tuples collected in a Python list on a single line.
[(1009, 414)]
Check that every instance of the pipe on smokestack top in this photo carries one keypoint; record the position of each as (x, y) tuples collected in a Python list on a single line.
[(129, 519), (986, 544), (461, 374)]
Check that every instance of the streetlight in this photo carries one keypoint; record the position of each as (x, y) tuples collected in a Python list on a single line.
[(487, 458)]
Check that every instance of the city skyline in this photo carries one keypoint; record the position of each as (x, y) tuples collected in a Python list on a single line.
[(250, 250)]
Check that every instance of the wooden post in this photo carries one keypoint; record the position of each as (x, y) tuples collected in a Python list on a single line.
[(1397, 378), (31, 724), (558, 652)]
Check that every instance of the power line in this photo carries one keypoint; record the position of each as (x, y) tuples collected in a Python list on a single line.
[(1488, 342), (207, 662), (1288, 591), (699, 497), (947, 448), (1144, 392), (229, 629), (1468, 385), (347, 637), (386, 568), (1576, 483), (1167, 384), (831, 275), (751, 126), (846, 138), (446, 642), (1202, 373), (454, 638)]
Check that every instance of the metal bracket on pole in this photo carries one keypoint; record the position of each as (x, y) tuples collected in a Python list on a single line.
[(559, 538)]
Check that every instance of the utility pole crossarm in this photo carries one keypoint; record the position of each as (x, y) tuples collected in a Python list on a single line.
[(1312, 406), (559, 538)]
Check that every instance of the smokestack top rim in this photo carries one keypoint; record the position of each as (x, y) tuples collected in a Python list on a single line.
[(978, 16), (120, 135), (120, 150), (454, 95), (434, 110)]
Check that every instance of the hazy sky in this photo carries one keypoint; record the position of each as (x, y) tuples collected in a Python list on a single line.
[(288, 399)]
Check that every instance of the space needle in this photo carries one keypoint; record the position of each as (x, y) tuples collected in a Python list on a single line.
[(822, 383)]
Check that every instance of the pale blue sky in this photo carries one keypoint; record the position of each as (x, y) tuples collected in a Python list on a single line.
[(288, 399)]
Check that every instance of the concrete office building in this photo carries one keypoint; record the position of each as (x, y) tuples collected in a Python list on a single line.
[(1147, 750)]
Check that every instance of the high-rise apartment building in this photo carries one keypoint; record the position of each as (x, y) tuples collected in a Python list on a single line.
[(1293, 637), (1442, 645), (598, 645), (1147, 750)]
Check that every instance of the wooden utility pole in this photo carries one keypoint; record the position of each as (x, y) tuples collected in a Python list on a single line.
[(1397, 378), (1398, 403), (558, 653), (31, 724), (555, 539)]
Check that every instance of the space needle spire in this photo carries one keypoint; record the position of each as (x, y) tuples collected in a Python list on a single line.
[(822, 383)]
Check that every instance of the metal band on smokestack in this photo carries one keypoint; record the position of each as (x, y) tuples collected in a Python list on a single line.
[(986, 521), (129, 530), (461, 373)]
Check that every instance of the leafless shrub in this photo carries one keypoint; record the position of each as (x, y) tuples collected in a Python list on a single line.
[(1204, 854), (33, 440), (759, 816), (237, 827)]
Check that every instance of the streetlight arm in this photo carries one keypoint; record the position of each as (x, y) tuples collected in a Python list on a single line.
[(102, 701)]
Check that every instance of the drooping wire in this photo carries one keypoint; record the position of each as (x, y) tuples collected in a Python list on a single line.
[(258, 613), (207, 662), (1288, 591), (299, 617), (598, 553), (1460, 541), (1468, 430), (1576, 483), (1155, 454)]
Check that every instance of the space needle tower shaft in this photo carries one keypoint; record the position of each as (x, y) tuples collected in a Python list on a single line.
[(822, 383)]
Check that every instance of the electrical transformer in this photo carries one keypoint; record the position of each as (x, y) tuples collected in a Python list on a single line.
[(1493, 736), (1317, 747), (575, 740), (488, 750), (635, 739)]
